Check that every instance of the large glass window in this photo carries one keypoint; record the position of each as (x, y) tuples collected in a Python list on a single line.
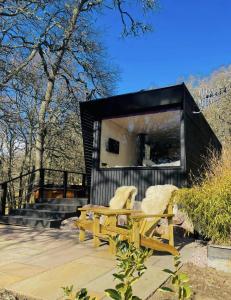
[(147, 140)]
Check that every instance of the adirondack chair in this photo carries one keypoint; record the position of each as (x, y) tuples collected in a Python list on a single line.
[(121, 203), (155, 206)]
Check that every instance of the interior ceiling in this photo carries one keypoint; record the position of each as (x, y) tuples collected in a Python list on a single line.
[(160, 125)]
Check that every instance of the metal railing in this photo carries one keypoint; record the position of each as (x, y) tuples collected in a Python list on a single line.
[(38, 185)]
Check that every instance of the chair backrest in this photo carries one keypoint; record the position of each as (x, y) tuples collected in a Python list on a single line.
[(124, 197), (156, 201)]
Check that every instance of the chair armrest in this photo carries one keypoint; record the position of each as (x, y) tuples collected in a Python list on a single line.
[(91, 208), (82, 209), (143, 216), (115, 212)]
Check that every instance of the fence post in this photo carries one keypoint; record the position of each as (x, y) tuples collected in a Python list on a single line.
[(85, 187), (65, 179), (83, 180), (41, 183), (3, 198), (20, 192)]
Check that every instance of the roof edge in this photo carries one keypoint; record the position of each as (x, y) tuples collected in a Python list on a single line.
[(83, 103)]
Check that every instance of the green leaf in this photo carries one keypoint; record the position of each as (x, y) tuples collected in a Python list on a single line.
[(120, 286), (128, 293), (67, 290), (175, 281), (134, 280), (119, 276), (168, 271), (135, 298), (113, 294), (183, 277), (187, 291), (180, 293), (176, 258), (82, 294), (165, 290), (177, 263)]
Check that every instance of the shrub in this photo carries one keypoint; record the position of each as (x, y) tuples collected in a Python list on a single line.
[(82, 294), (208, 204), (130, 268), (179, 281)]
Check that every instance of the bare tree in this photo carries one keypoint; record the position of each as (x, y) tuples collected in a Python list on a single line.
[(18, 47), (213, 94), (58, 38)]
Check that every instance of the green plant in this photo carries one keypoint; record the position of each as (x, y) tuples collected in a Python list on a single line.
[(179, 282), (131, 268), (82, 294), (208, 203)]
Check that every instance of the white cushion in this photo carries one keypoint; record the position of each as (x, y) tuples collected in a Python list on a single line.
[(122, 195), (157, 198)]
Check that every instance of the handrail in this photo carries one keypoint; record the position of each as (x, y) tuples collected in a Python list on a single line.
[(36, 170), (57, 170), (9, 195), (18, 177)]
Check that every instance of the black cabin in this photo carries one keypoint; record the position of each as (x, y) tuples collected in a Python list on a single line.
[(145, 138)]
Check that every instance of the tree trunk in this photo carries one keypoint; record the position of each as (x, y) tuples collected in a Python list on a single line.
[(39, 142), (40, 138)]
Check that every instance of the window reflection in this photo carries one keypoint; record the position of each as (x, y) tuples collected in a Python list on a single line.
[(148, 140)]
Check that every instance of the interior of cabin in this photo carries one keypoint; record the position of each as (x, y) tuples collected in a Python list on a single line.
[(142, 140)]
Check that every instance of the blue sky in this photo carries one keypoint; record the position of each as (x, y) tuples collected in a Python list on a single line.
[(190, 37)]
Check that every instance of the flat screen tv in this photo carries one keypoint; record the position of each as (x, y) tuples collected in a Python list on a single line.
[(113, 146)]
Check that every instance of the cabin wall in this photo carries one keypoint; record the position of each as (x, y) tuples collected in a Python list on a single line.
[(199, 137), (105, 182), (87, 123)]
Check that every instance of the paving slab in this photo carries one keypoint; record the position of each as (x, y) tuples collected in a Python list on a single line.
[(21, 270), (37, 263), (98, 261), (48, 285), (59, 256), (6, 280), (145, 287)]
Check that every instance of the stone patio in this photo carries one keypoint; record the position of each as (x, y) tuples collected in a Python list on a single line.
[(37, 263)]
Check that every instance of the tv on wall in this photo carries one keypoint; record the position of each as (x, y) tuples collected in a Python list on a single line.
[(113, 146)]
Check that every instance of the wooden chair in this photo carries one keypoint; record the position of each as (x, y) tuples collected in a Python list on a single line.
[(143, 232), (123, 200), (141, 227)]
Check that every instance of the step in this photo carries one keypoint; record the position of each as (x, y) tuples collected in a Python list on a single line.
[(56, 207), (30, 221), (14, 220), (77, 201), (42, 213)]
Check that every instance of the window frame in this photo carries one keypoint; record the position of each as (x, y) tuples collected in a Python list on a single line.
[(98, 137)]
